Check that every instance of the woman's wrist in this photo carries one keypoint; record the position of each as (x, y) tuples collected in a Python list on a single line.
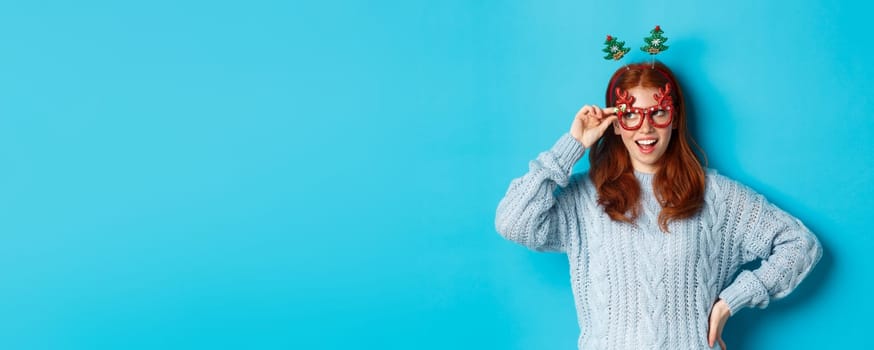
[(723, 307)]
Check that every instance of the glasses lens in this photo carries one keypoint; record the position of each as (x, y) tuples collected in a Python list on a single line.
[(661, 117), (631, 119)]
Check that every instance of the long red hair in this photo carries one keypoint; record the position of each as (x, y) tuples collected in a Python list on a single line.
[(679, 180)]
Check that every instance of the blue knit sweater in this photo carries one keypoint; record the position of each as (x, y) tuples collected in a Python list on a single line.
[(636, 287)]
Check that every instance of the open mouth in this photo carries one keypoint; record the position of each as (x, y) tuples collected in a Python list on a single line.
[(646, 146)]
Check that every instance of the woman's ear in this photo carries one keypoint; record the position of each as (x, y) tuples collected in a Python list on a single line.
[(616, 128)]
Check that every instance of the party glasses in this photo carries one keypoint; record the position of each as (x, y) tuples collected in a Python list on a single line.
[(659, 115)]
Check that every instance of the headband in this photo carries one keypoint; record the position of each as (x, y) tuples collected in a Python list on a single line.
[(616, 50)]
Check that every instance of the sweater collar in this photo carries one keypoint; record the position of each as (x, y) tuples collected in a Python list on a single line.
[(643, 177)]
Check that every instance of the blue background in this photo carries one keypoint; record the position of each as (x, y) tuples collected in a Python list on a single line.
[(275, 175)]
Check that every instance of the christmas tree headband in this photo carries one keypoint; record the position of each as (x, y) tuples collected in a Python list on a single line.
[(655, 44)]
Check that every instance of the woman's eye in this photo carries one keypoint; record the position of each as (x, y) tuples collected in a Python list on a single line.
[(631, 116), (658, 113)]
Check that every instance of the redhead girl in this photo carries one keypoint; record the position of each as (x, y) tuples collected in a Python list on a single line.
[(654, 240)]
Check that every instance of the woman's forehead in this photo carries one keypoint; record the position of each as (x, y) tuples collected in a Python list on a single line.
[(643, 96)]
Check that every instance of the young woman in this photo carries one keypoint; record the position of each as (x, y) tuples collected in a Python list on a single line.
[(653, 239)]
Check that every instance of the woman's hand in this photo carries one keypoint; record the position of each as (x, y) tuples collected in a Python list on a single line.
[(590, 123), (719, 313)]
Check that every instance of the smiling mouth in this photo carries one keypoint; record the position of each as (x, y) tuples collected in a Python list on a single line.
[(646, 146)]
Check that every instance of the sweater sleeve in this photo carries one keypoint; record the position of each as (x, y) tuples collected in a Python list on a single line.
[(787, 248), (531, 213)]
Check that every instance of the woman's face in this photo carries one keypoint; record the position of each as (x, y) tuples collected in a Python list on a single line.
[(647, 144)]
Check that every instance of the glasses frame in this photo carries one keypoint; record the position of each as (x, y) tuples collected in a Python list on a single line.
[(664, 102)]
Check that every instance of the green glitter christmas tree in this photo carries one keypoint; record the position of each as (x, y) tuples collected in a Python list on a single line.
[(655, 43), (615, 49)]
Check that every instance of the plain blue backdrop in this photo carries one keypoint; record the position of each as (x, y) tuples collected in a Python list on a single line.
[(281, 175)]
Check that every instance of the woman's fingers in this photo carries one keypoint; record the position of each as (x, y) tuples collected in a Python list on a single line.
[(597, 111), (589, 116), (610, 111), (581, 122), (606, 123), (590, 123), (722, 344), (586, 110), (712, 329), (599, 114)]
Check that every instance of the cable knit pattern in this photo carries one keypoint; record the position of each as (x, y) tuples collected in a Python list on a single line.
[(636, 287)]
